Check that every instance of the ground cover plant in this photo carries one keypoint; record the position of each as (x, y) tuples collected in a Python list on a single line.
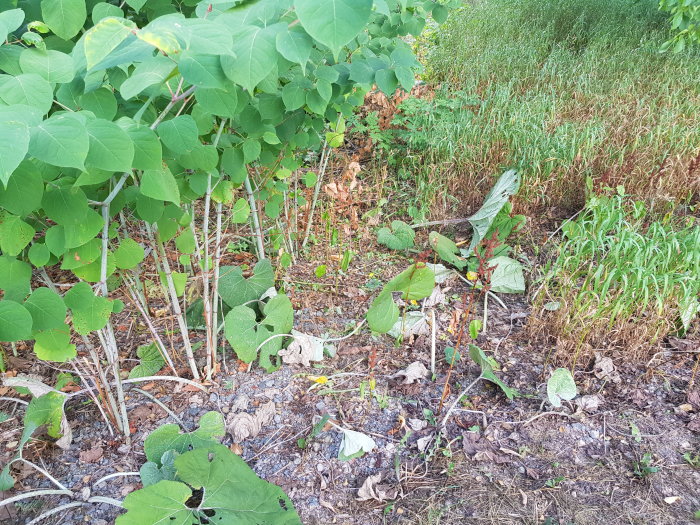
[(280, 261)]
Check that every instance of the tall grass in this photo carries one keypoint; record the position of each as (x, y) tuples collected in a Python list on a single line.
[(619, 279), (566, 89)]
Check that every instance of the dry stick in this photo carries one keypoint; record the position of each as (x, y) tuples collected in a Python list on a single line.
[(107, 394), (323, 162), (110, 427), (56, 510), (209, 321), (459, 397), (36, 467), (215, 283), (34, 493), (163, 406), (175, 304), (432, 345), (256, 219), (148, 378), (115, 475), (147, 318)]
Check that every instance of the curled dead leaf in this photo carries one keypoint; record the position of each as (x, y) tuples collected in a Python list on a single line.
[(411, 373), (373, 489), (241, 426)]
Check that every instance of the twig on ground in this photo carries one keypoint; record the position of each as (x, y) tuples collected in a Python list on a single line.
[(163, 406)]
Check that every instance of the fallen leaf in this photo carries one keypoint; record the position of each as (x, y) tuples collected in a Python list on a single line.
[(243, 425), (92, 455), (412, 324), (372, 489), (417, 424), (671, 499), (411, 373), (589, 403), (355, 444), (604, 368), (302, 350)]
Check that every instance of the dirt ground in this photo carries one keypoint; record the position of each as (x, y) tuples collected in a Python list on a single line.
[(500, 461)]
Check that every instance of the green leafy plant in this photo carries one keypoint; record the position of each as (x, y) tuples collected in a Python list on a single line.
[(399, 237), (487, 373), (414, 283), (620, 277), (191, 478), (143, 115), (561, 386), (645, 466)]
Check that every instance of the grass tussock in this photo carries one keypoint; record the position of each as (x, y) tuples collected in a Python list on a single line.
[(562, 90), (619, 280)]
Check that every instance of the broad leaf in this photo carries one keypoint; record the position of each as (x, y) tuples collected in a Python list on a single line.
[(160, 185), (15, 234), (15, 321), (446, 249), (231, 493), (14, 144), (202, 70), (90, 312), (508, 276), (105, 37), (64, 17), (54, 345), (354, 445), (334, 23), (235, 289), (399, 237), (506, 185), (168, 437), (60, 140), (111, 148), (561, 385), (179, 134), (255, 56), (383, 313), (53, 66), (415, 282), (150, 361), (129, 254), (28, 89), (14, 278), (294, 45), (25, 188), (47, 308)]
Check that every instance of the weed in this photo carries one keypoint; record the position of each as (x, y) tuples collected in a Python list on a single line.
[(692, 459), (645, 467), (562, 91), (554, 482), (620, 278)]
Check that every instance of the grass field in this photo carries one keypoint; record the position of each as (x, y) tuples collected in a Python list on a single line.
[(562, 90)]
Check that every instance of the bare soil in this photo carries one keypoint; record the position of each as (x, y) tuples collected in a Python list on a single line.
[(501, 461)]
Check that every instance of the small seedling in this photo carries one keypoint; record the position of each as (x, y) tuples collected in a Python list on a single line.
[(692, 459), (302, 443), (644, 467), (554, 482), (429, 416)]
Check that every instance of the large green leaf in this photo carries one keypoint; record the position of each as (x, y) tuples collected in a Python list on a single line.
[(508, 276), (15, 321), (294, 45), (60, 140), (382, 313), (151, 72), (256, 56), (334, 23), (129, 254), (506, 185), (168, 437), (101, 102), (105, 37), (24, 190), (47, 308), (15, 276), (9, 21), (90, 312), (202, 70), (399, 237), (219, 102), (150, 361), (14, 144), (29, 89), (52, 65), (111, 148), (235, 289), (54, 345), (245, 334), (66, 206), (561, 386), (415, 282), (231, 493), (148, 152), (446, 249), (64, 17), (179, 134), (15, 234), (160, 185)]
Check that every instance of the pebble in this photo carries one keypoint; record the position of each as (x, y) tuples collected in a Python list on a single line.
[(213, 398)]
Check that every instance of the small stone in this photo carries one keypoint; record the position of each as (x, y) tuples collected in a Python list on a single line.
[(213, 398), (297, 461)]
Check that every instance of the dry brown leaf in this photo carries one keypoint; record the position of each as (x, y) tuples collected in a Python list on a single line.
[(92, 455), (243, 425), (372, 489), (411, 373), (604, 368)]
